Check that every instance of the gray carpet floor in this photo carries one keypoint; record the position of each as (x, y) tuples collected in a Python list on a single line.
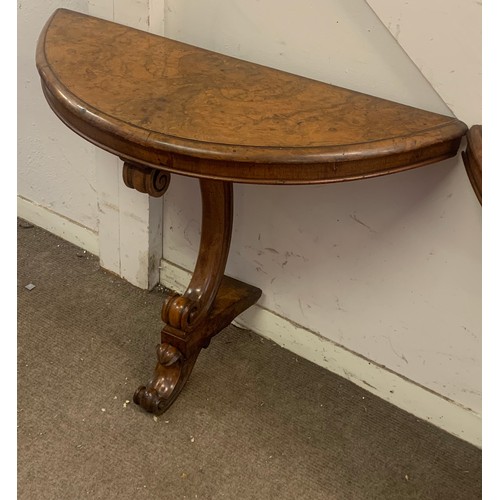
[(253, 422)]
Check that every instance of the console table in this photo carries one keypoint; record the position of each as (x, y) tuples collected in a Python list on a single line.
[(167, 107)]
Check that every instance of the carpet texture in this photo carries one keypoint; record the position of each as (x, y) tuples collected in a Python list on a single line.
[(253, 422)]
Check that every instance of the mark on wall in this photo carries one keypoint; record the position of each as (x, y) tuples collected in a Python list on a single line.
[(359, 221), (401, 356)]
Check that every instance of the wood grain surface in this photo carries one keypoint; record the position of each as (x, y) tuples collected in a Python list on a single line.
[(473, 159), (188, 110)]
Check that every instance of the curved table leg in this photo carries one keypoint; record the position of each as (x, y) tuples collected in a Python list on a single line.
[(208, 305)]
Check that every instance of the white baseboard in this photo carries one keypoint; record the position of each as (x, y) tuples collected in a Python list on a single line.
[(379, 380), (59, 225)]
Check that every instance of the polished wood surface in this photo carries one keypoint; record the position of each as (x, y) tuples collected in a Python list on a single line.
[(164, 106), (473, 159), (185, 311), (167, 104)]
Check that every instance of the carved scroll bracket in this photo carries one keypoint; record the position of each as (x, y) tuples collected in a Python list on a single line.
[(145, 179)]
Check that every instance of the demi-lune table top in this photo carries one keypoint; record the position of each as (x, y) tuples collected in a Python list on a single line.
[(196, 112)]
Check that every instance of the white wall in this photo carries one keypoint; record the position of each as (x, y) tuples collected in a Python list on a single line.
[(65, 184), (56, 169), (390, 267), (444, 40)]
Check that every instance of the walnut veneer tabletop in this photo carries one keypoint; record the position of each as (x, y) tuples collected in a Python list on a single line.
[(196, 112)]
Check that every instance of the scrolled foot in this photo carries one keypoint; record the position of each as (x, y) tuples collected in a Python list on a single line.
[(150, 400), (170, 375)]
